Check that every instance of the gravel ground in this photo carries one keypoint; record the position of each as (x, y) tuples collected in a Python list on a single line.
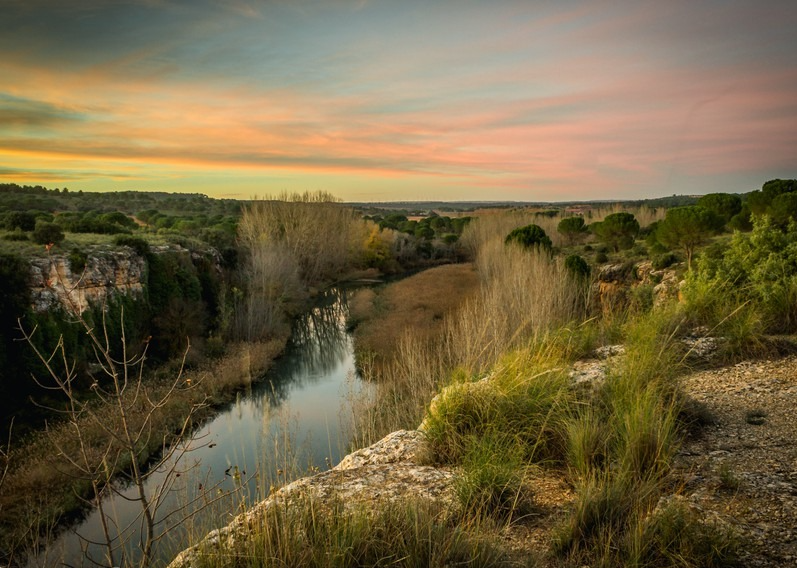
[(742, 467)]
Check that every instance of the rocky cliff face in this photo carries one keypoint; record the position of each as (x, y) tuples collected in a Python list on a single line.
[(107, 273)]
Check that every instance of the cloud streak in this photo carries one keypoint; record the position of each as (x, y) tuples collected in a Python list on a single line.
[(520, 100)]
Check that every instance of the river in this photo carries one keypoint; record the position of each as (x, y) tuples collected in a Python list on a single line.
[(297, 418)]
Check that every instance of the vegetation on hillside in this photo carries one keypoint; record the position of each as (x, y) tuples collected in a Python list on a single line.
[(499, 362)]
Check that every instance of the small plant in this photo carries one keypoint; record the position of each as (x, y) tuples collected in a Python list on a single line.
[(601, 257), (77, 261), (756, 417), (728, 479)]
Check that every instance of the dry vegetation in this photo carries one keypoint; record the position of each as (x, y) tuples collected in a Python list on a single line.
[(28, 513), (418, 303)]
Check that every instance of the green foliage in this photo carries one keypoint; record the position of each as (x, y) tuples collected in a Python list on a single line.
[(724, 205), (761, 202), (16, 236), (577, 266), (77, 260), (687, 228), (757, 269), (676, 535), (529, 236), (491, 482), (14, 303), (573, 228), (21, 220), (665, 260), (138, 244), (47, 233), (617, 230), (601, 257), (741, 221)]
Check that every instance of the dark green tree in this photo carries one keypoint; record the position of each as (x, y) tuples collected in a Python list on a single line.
[(529, 236), (21, 220), (47, 233), (687, 228), (577, 266), (573, 229), (726, 205), (617, 230), (783, 208)]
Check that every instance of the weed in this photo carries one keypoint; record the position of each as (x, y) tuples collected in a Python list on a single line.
[(756, 417)]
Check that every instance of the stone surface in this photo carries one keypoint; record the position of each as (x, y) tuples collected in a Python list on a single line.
[(742, 471), (107, 273), (386, 471)]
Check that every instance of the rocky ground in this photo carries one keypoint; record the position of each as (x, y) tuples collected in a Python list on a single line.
[(739, 469), (742, 467)]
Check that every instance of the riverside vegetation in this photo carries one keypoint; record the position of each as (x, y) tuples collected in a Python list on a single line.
[(531, 315), (226, 285)]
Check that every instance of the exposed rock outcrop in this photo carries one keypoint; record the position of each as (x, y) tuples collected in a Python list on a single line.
[(106, 274), (389, 470)]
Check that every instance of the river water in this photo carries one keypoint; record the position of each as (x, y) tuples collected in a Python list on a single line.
[(297, 418)]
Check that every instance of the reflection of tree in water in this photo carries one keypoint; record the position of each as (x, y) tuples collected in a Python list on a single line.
[(319, 344)]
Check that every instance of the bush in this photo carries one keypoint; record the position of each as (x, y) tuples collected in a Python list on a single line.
[(529, 236), (47, 233), (15, 237), (138, 244), (662, 261), (601, 257), (77, 260), (577, 266)]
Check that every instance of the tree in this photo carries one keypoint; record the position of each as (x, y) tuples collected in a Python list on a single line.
[(726, 205), (47, 233), (687, 228), (21, 220), (529, 236), (573, 228), (783, 208), (617, 230)]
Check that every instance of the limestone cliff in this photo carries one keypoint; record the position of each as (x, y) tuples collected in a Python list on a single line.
[(108, 272)]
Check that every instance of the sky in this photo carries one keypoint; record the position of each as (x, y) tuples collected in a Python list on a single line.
[(388, 100)]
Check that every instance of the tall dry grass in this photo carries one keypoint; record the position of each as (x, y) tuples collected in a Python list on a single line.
[(523, 295), (294, 242)]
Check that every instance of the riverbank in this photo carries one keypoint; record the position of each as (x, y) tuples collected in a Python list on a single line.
[(45, 460)]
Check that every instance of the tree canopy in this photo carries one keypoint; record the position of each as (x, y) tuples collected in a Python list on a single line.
[(687, 228), (529, 236), (617, 230), (573, 228), (726, 205)]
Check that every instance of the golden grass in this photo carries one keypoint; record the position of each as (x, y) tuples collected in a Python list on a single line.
[(416, 305)]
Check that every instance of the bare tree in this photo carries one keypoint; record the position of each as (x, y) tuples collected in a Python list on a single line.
[(118, 430)]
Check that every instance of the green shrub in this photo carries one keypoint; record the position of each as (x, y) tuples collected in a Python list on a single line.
[(138, 244), (15, 236), (665, 260), (77, 260), (529, 236), (577, 266), (601, 257), (47, 233)]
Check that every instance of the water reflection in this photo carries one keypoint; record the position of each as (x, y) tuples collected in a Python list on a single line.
[(293, 419)]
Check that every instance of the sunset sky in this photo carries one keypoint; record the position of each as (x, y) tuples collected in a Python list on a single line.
[(399, 100)]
